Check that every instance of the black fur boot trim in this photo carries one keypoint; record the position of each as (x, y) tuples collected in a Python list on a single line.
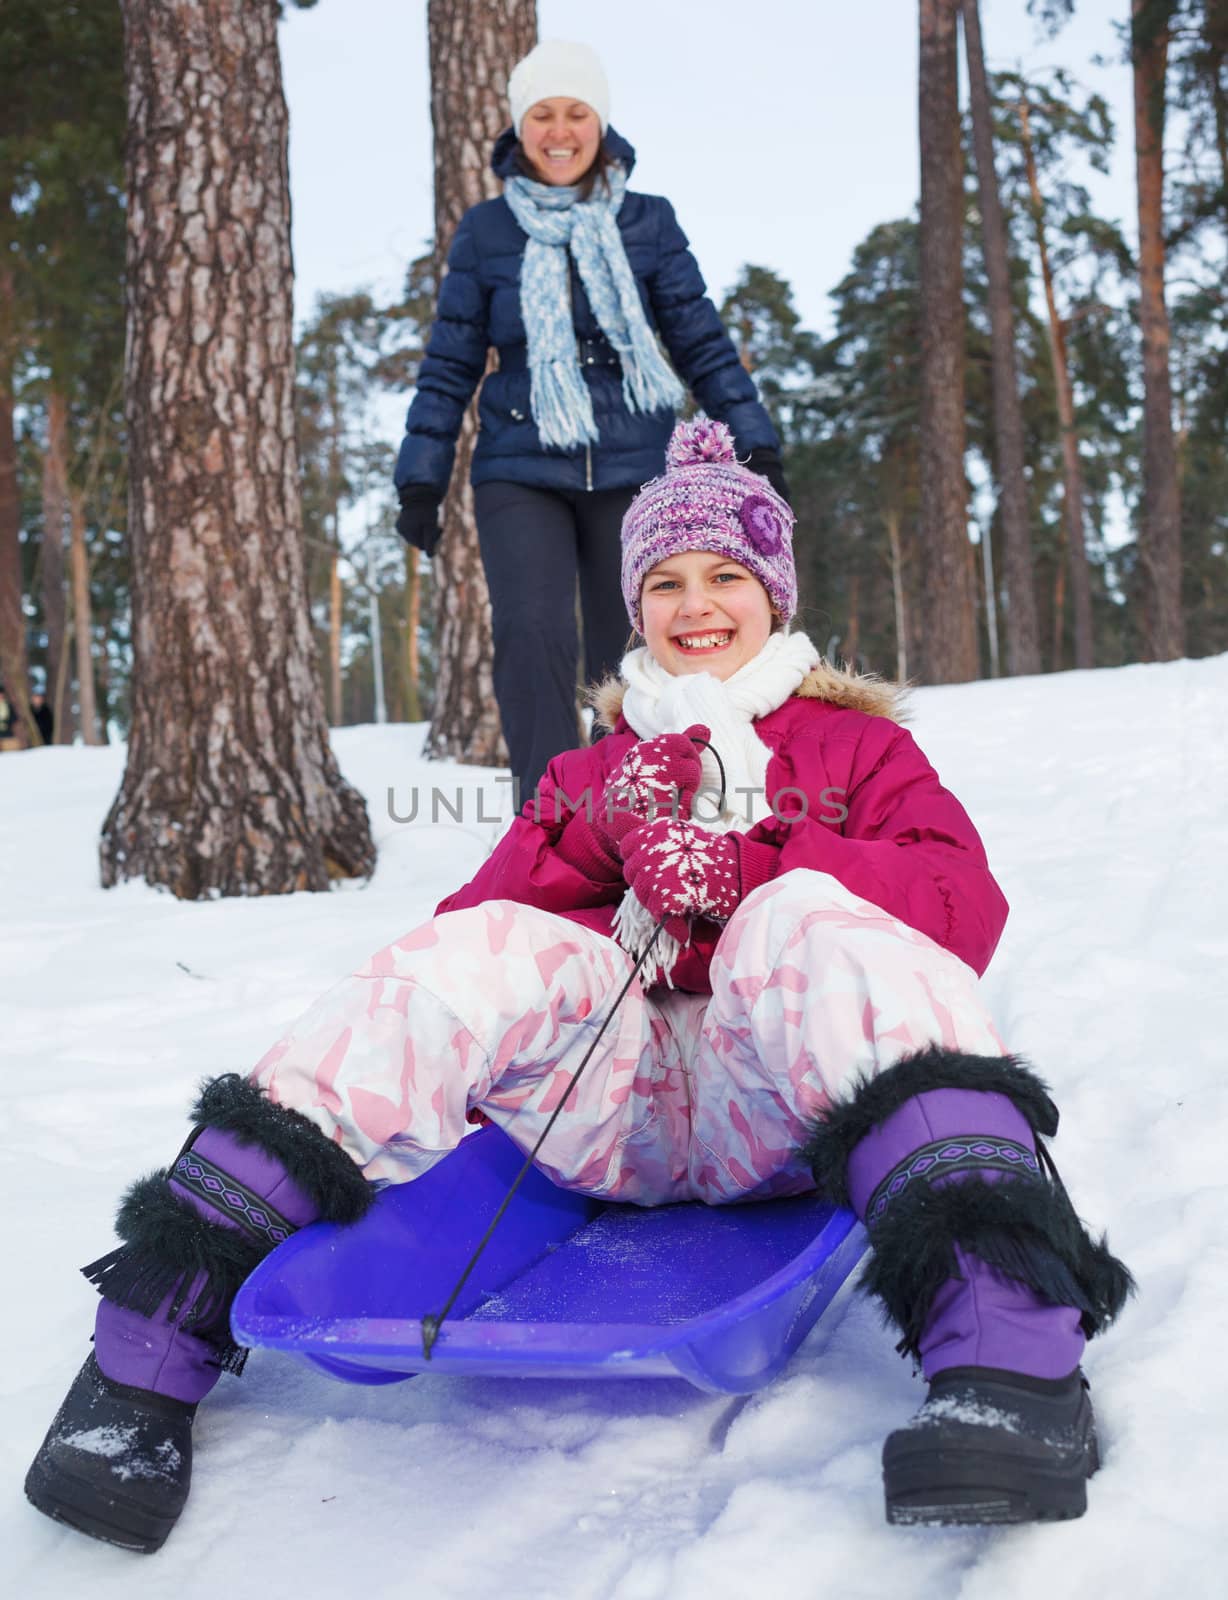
[(320, 1168), (845, 1124), (1026, 1231), (168, 1246)]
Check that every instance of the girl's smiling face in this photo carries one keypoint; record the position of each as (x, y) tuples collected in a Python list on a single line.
[(703, 612), (561, 138)]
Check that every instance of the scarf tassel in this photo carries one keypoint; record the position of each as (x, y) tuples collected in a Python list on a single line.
[(633, 927), (562, 408), (648, 383)]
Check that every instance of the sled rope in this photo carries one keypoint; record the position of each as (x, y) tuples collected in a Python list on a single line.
[(433, 1321)]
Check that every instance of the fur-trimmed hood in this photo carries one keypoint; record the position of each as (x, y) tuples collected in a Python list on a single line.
[(837, 686)]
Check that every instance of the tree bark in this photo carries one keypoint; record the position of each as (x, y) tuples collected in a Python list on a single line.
[(892, 517), (950, 646), (336, 472), (1022, 627), (1215, 47), (334, 635), (14, 665), (1059, 598), (852, 633), (1072, 468), (1160, 533), (230, 786), (473, 46), (51, 562), (413, 620), (82, 620)]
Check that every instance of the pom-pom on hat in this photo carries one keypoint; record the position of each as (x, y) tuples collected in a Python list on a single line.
[(705, 501), (557, 67)]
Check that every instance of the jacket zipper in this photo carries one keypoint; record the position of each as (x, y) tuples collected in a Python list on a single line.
[(588, 449)]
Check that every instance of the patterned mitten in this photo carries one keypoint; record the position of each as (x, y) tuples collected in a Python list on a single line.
[(679, 870), (656, 777)]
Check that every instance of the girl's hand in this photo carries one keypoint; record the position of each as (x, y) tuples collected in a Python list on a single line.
[(680, 870), (657, 777)]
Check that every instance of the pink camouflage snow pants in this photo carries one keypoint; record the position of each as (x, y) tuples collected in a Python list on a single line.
[(686, 1097)]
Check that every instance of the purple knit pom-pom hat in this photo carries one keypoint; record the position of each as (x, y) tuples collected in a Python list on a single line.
[(705, 501)]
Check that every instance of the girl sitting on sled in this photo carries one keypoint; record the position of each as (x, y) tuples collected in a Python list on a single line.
[(808, 1016)]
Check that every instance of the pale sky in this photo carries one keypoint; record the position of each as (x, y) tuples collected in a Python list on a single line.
[(782, 131)]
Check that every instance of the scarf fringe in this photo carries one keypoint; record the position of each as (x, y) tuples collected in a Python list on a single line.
[(649, 383), (562, 406), (633, 926)]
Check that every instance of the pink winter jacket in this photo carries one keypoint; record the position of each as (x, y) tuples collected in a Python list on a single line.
[(878, 819)]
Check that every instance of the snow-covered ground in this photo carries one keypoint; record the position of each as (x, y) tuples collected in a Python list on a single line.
[(1103, 800)]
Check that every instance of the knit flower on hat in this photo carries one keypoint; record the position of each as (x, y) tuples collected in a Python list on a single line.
[(763, 524)]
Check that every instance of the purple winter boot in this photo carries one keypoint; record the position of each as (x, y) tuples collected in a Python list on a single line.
[(117, 1459), (994, 1283)]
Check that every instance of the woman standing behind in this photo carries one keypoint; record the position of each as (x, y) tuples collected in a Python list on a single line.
[(572, 278)]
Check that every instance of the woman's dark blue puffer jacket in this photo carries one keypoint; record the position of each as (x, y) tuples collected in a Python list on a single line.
[(479, 306)]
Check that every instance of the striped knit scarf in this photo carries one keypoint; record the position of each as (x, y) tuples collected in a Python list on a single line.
[(556, 221)]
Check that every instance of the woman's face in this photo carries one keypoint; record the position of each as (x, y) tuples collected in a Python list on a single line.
[(561, 138), (704, 613)]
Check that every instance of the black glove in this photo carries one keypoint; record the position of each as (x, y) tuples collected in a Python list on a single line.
[(418, 522), (766, 462)]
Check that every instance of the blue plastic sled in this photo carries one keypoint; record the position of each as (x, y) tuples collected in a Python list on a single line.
[(568, 1287)]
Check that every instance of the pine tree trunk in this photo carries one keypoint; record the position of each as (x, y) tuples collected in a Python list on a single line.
[(1059, 599), (473, 46), (1215, 52), (987, 595), (1072, 468), (1160, 533), (1022, 628), (335, 481), (949, 652), (897, 594), (14, 665), (51, 561), (102, 681), (82, 619), (230, 786), (852, 633), (334, 638)]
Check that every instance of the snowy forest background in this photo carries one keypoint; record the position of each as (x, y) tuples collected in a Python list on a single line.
[(1067, 508)]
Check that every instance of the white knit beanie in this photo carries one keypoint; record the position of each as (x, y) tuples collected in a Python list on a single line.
[(554, 68)]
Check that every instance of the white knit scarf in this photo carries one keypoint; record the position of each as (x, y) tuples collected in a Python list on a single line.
[(657, 701)]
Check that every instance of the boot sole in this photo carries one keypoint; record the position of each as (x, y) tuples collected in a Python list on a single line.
[(965, 1487), (79, 1505)]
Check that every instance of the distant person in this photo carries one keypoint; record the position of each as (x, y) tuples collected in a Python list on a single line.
[(9, 725), (809, 1018), (572, 278), (44, 718)]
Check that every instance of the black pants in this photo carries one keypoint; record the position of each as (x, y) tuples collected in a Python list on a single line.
[(535, 543)]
